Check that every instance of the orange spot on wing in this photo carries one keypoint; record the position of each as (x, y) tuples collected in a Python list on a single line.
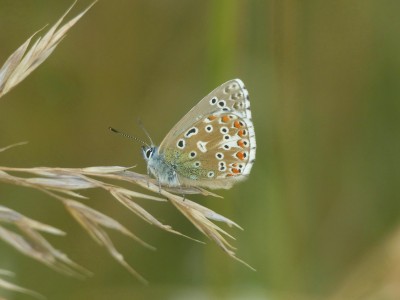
[(240, 143), (235, 171), (229, 175), (237, 124), (242, 132), (211, 118), (241, 155), (225, 119)]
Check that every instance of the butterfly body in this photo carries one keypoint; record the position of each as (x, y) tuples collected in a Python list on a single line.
[(157, 165), (212, 146)]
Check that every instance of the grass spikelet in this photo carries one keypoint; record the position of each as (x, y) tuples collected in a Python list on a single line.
[(23, 61)]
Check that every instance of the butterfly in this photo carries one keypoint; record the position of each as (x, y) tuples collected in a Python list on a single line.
[(212, 146)]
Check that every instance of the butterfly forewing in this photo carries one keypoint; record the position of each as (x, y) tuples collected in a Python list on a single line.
[(214, 144), (230, 96)]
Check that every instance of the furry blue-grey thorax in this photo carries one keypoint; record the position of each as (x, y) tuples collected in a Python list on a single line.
[(164, 172)]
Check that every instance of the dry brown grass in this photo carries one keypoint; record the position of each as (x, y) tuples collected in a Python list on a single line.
[(25, 234)]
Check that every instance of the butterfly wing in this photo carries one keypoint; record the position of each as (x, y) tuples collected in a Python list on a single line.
[(214, 144), (233, 93)]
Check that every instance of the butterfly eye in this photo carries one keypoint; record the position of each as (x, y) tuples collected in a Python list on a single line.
[(181, 143), (149, 153), (213, 101)]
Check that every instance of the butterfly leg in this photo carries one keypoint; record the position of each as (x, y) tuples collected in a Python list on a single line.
[(183, 194), (180, 187), (148, 176), (158, 183), (148, 181), (159, 186)]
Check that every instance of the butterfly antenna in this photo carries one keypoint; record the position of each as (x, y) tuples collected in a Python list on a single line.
[(127, 136), (145, 131)]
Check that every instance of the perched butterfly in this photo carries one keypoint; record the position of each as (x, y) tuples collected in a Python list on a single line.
[(212, 146)]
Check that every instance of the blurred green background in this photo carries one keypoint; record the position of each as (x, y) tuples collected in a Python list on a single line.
[(323, 78)]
